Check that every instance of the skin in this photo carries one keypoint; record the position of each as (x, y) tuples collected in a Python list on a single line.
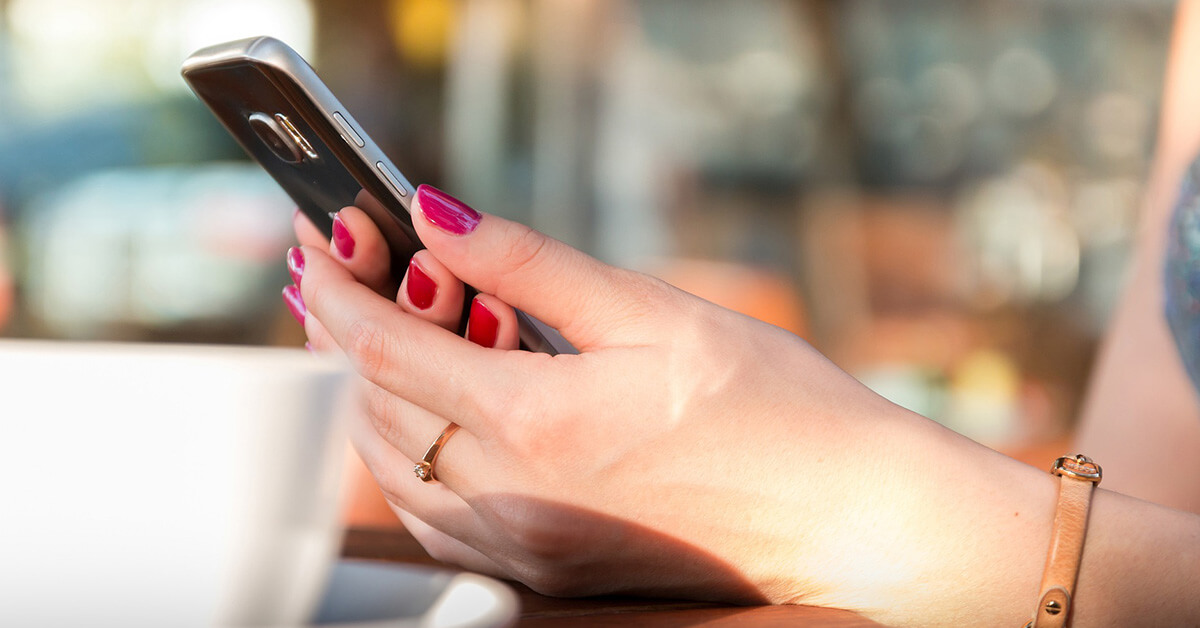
[(691, 451), (1142, 418), (7, 289)]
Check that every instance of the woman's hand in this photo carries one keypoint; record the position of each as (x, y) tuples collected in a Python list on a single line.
[(686, 451)]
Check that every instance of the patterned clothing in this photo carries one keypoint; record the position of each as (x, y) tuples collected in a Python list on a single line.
[(1182, 273)]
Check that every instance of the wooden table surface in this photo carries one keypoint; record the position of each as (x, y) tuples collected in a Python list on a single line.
[(396, 545)]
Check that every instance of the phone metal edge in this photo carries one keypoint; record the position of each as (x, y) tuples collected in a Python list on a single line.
[(277, 54)]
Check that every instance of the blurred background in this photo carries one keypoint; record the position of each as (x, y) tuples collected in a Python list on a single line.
[(940, 195)]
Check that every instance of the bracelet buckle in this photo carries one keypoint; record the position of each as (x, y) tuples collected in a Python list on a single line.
[(1078, 467)]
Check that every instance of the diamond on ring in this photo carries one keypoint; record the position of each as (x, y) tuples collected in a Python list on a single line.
[(422, 471)]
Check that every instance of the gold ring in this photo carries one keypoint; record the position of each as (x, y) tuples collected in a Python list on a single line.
[(424, 469)]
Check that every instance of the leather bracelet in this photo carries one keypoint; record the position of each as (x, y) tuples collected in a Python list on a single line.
[(1079, 479)]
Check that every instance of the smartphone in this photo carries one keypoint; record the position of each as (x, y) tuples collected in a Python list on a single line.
[(272, 102)]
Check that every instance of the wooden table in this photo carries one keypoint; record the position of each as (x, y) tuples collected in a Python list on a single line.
[(396, 545)]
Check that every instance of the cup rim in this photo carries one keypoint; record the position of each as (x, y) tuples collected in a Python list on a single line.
[(294, 360)]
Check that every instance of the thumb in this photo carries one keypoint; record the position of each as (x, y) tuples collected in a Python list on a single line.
[(574, 293)]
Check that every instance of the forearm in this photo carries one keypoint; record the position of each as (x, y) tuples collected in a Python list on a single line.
[(1141, 417)]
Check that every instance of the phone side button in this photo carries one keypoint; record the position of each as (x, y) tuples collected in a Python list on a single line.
[(341, 120), (391, 178)]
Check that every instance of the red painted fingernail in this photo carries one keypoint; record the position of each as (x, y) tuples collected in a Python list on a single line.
[(446, 212), (421, 287), (295, 264), (295, 303), (482, 326), (342, 240)]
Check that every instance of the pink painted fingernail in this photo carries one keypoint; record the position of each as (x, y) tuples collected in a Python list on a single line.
[(295, 303), (446, 212), (343, 242), (482, 327), (421, 287), (295, 264)]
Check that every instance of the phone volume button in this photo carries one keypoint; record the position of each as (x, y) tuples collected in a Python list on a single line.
[(387, 173), (345, 124)]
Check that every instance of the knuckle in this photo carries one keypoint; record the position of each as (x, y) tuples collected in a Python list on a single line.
[(380, 410), (527, 251), (518, 422), (537, 441), (367, 346), (645, 296), (636, 303), (528, 424), (529, 247)]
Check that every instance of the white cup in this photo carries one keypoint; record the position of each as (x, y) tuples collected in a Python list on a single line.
[(157, 485)]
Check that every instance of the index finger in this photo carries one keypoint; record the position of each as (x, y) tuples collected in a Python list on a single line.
[(410, 357)]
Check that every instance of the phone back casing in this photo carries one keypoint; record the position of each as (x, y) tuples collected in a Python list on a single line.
[(263, 78)]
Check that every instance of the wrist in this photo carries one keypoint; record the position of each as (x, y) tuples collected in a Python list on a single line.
[(985, 555), (969, 528)]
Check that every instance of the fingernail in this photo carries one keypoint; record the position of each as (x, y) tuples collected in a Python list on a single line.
[(342, 240), (421, 287), (482, 326), (308, 345), (295, 264), (295, 303), (446, 212)]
